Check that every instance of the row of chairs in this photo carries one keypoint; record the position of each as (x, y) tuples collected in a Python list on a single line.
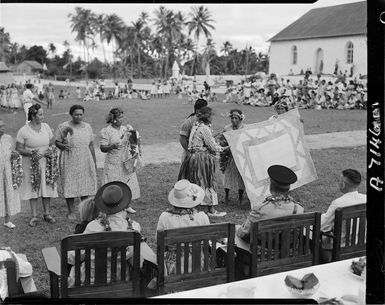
[(202, 257)]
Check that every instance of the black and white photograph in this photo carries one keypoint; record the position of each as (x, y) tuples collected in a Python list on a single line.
[(191, 151)]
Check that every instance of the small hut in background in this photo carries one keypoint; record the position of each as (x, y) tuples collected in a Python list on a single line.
[(6, 76)]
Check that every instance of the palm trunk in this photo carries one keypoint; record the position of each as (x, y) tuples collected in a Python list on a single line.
[(139, 63)]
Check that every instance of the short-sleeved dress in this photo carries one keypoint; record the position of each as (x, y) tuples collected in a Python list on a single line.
[(39, 141), (77, 167), (114, 169), (9, 197)]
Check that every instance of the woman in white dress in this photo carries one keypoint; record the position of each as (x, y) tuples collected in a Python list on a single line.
[(3, 97), (14, 100)]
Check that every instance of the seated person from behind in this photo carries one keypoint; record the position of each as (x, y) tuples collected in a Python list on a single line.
[(278, 204), (184, 198), (88, 212), (348, 184), (112, 200)]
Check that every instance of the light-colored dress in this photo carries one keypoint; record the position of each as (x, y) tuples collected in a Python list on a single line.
[(39, 141), (77, 167), (232, 178), (14, 100), (179, 218), (3, 98), (114, 169), (9, 197)]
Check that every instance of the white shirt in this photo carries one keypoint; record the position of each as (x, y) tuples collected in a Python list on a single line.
[(348, 199), (28, 96)]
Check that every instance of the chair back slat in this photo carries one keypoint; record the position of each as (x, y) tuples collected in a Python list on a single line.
[(12, 282), (196, 246), (290, 243), (349, 232), (114, 264), (98, 257)]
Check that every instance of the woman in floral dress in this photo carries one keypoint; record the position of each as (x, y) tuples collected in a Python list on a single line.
[(77, 161), (9, 196), (121, 143), (14, 100)]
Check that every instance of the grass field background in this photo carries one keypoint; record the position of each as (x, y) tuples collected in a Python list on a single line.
[(158, 121)]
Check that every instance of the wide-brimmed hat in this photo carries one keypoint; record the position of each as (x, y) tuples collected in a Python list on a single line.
[(186, 195), (113, 197)]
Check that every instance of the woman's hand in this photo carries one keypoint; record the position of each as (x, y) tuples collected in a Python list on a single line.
[(14, 154), (47, 153), (115, 146)]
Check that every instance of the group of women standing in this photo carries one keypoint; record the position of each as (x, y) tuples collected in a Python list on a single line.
[(9, 97), (44, 172)]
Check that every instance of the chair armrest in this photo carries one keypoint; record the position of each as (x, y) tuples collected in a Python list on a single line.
[(52, 260)]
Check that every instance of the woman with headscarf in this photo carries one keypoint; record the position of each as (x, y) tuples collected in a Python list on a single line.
[(34, 141), (232, 177), (121, 143), (199, 166), (77, 162), (9, 196)]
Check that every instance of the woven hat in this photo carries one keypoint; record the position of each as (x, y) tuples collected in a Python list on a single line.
[(186, 195), (113, 197)]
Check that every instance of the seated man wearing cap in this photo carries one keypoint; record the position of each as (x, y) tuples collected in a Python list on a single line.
[(348, 184), (278, 204)]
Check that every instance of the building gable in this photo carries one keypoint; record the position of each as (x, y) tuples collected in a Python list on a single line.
[(332, 21)]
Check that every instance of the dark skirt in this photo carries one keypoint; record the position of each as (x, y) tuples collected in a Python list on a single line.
[(199, 168)]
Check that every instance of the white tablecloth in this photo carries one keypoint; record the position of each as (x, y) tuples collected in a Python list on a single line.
[(336, 280)]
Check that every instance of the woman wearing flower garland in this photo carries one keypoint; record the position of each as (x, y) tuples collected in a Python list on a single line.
[(33, 142), (77, 161), (10, 178), (184, 197), (122, 147), (232, 177)]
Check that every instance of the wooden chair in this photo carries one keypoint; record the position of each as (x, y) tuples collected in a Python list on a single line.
[(102, 255), (14, 285), (190, 243), (281, 244), (349, 233)]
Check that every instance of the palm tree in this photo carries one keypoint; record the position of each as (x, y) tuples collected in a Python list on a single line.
[(98, 26), (138, 27), (112, 32), (14, 50), (209, 53), (52, 49), (144, 17), (226, 49), (199, 22), (81, 24), (126, 42), (5, 43)]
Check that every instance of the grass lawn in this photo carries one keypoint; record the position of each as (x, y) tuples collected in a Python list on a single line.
[(155, 182), (158, 120)]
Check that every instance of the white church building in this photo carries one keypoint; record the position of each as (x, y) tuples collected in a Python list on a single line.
[(322, 40)]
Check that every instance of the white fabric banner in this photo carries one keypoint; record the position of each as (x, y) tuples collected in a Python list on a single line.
[(277, 141)]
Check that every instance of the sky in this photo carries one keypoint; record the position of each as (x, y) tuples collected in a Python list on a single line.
[(241, 24)]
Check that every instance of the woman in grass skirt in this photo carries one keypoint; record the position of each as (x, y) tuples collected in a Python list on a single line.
[(232, 177), (199, 166)]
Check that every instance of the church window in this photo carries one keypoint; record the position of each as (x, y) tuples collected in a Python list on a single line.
[(349, 53), (294, 55)]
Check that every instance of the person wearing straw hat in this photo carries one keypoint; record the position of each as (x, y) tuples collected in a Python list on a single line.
[(184, 198), (278, 204), (112, 201)]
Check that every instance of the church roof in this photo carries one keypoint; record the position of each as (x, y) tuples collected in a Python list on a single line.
[(331, 21)]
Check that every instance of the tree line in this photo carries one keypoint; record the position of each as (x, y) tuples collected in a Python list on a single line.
[(145, 48)]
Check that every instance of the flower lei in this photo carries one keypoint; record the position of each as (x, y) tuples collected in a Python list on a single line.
[(17, 170), (224, 156), (65, 132), (182, 211), (52, 167), (35, 171), (103, 220)]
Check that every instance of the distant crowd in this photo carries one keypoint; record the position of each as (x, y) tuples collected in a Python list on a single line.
[(308, 93)]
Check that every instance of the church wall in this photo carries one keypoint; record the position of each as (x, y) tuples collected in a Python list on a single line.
[(333, 49)]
